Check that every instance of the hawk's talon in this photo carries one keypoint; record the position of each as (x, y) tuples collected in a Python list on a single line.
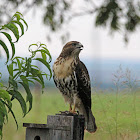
[(69, 112), (64, 112)]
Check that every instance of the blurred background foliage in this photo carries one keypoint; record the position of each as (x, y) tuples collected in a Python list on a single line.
[(21, 71), (122, 16)]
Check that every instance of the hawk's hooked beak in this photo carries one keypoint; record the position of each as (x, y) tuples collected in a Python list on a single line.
[(80, 46), (77, 49)]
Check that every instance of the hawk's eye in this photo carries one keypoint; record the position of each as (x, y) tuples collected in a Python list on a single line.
[(74, 44)]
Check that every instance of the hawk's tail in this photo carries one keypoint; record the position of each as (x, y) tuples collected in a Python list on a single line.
[(90, 122)]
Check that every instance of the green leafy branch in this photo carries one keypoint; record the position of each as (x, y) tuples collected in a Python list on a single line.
[(17, 19), (22, 71)]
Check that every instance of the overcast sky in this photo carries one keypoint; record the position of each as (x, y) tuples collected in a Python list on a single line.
[(98, 43)]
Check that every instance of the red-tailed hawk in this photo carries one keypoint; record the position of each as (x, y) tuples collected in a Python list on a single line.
[(72, 79)]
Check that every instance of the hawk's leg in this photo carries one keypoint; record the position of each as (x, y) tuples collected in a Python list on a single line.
[(70, 109), (73, 111)]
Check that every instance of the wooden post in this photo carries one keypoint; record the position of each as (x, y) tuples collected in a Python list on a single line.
[(59, 127)]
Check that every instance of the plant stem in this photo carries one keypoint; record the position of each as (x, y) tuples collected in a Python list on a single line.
[(117, 110)]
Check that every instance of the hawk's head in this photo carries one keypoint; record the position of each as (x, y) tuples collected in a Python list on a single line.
[(72, 48)]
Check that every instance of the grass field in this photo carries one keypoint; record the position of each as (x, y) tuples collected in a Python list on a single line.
[(123, 124)]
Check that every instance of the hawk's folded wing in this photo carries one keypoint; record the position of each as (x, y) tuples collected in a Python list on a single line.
[(84, 88)]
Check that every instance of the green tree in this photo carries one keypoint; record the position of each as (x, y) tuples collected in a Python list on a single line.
[(21, 70), (122, 16)]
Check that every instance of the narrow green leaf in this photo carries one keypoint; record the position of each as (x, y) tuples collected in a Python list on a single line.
[(13, 83), (41, 79), (29, 80), (10, 40), (48, 53), (17, 74), (25, 23), (15, 69), (5, 49), (46, 64), (29, 48), (3, 113), (21, 100), (14, 29), (43, 55), (28, 66), (24, 79), (1, 132), (7, 35), (4, 95), (45, 52), (10, 111), (29, 95), (2, 118), (36, 73), (19, 64), (35, 66), (18, 58), (36, 79), (21, 26), (17, 15), (10, 69)]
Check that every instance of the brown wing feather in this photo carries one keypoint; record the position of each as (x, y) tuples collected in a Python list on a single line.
[(84, 88)]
